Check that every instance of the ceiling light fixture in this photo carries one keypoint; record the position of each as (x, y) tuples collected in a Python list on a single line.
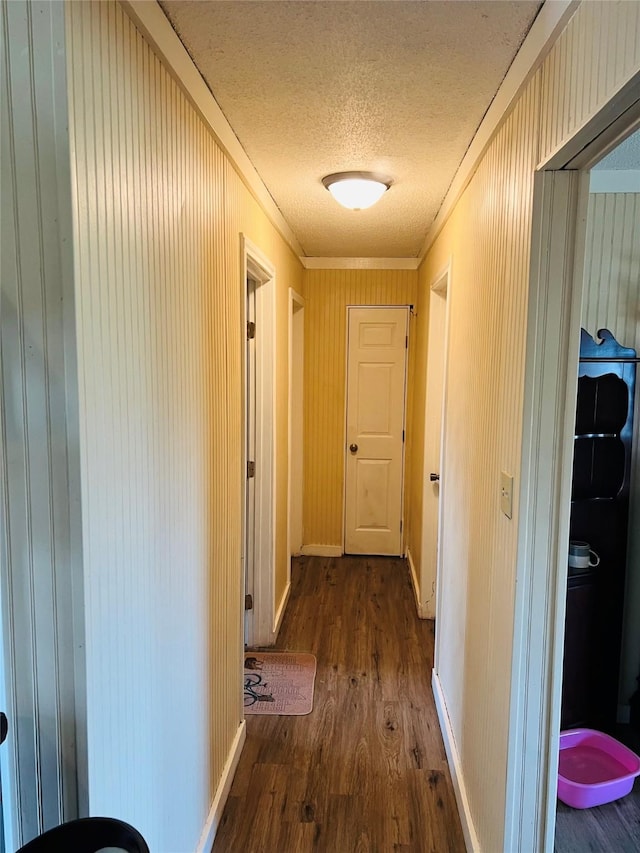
[(356, 190)]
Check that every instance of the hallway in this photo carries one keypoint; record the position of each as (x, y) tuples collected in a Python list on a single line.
[(366, 770)]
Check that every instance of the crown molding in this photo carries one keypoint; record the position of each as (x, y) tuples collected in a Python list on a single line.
[(154, 25), (360, 263)]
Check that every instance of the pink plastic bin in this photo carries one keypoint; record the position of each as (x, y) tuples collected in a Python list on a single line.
[(594, 768)]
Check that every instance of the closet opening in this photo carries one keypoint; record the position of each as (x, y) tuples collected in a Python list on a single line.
[(601, 653)]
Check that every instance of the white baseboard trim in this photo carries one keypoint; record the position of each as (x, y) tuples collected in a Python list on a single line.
[(280, 611), (414, 583), (215, 814), (321, 550), (468, 830)]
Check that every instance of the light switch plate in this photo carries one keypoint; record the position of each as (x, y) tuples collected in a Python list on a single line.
[(506, 494)]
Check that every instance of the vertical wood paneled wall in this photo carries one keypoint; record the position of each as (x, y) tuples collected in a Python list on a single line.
[(327, 295), (40, 462), (488, 239), (158, 215), (592, 58), (611, 300)]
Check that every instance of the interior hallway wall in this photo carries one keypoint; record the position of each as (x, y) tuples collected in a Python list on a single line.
[(611, 300), (158, 214), (488, 237), (327, 295)]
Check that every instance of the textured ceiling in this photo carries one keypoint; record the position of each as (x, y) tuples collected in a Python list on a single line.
[(315, 87), (625, 156)]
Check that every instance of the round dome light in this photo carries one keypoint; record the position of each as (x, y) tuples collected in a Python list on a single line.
[(356, 190)]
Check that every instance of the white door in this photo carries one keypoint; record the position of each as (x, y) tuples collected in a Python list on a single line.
[(376, 381), (434, 399)]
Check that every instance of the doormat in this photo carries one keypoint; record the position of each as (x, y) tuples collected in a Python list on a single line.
[(278, 683)]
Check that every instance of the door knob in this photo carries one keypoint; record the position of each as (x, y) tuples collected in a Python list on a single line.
[(353, 448), (434, 477)]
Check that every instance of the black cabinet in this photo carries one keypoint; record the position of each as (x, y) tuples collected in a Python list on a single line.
[(599, 516)]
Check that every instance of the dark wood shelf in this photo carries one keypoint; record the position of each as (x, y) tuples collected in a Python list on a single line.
[(599, 516)]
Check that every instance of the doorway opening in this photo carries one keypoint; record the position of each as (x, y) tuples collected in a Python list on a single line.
[(551, 383), (601, 656), (258, 312)]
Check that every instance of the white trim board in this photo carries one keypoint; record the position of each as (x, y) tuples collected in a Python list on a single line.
[(455, 767), (205, 844), (296, 305), (614, 181), (441, 287), (551, 20), (322, 551), (415, 586), (277, 622), (360, 263), (149, 18), (551, 381)]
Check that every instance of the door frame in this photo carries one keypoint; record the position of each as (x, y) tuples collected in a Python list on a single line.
[(260, 624), (296, 305), (407, 307), (441, 284), (9, 780), (561, 188)]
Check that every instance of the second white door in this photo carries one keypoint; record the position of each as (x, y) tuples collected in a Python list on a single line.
[(376, 383)]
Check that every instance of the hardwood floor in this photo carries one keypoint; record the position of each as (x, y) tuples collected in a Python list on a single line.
[(612, 828), (366, 770)]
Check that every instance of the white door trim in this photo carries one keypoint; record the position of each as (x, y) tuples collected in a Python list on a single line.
[(9, 779), (551, 367), (441, 284), (294, 300), (553, 337), (259, 268)]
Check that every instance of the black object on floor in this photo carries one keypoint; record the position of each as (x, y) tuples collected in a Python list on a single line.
[(87, 835)]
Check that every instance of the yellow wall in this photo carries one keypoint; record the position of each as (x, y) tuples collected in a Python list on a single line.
[(327, 294), (488, 238), (158, 215)]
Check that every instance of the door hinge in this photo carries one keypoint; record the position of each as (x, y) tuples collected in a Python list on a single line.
[(248, 602), (251, 330), (400, 525), (406, 341), (251, 470), (403, 436)]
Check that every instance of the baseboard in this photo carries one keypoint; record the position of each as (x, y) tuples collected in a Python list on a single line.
[(470, 837), (321, 550), (414, 583), (215, 814), (280, 611)]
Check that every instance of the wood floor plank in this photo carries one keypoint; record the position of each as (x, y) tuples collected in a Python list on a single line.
[(612, 828), (366, 771)]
